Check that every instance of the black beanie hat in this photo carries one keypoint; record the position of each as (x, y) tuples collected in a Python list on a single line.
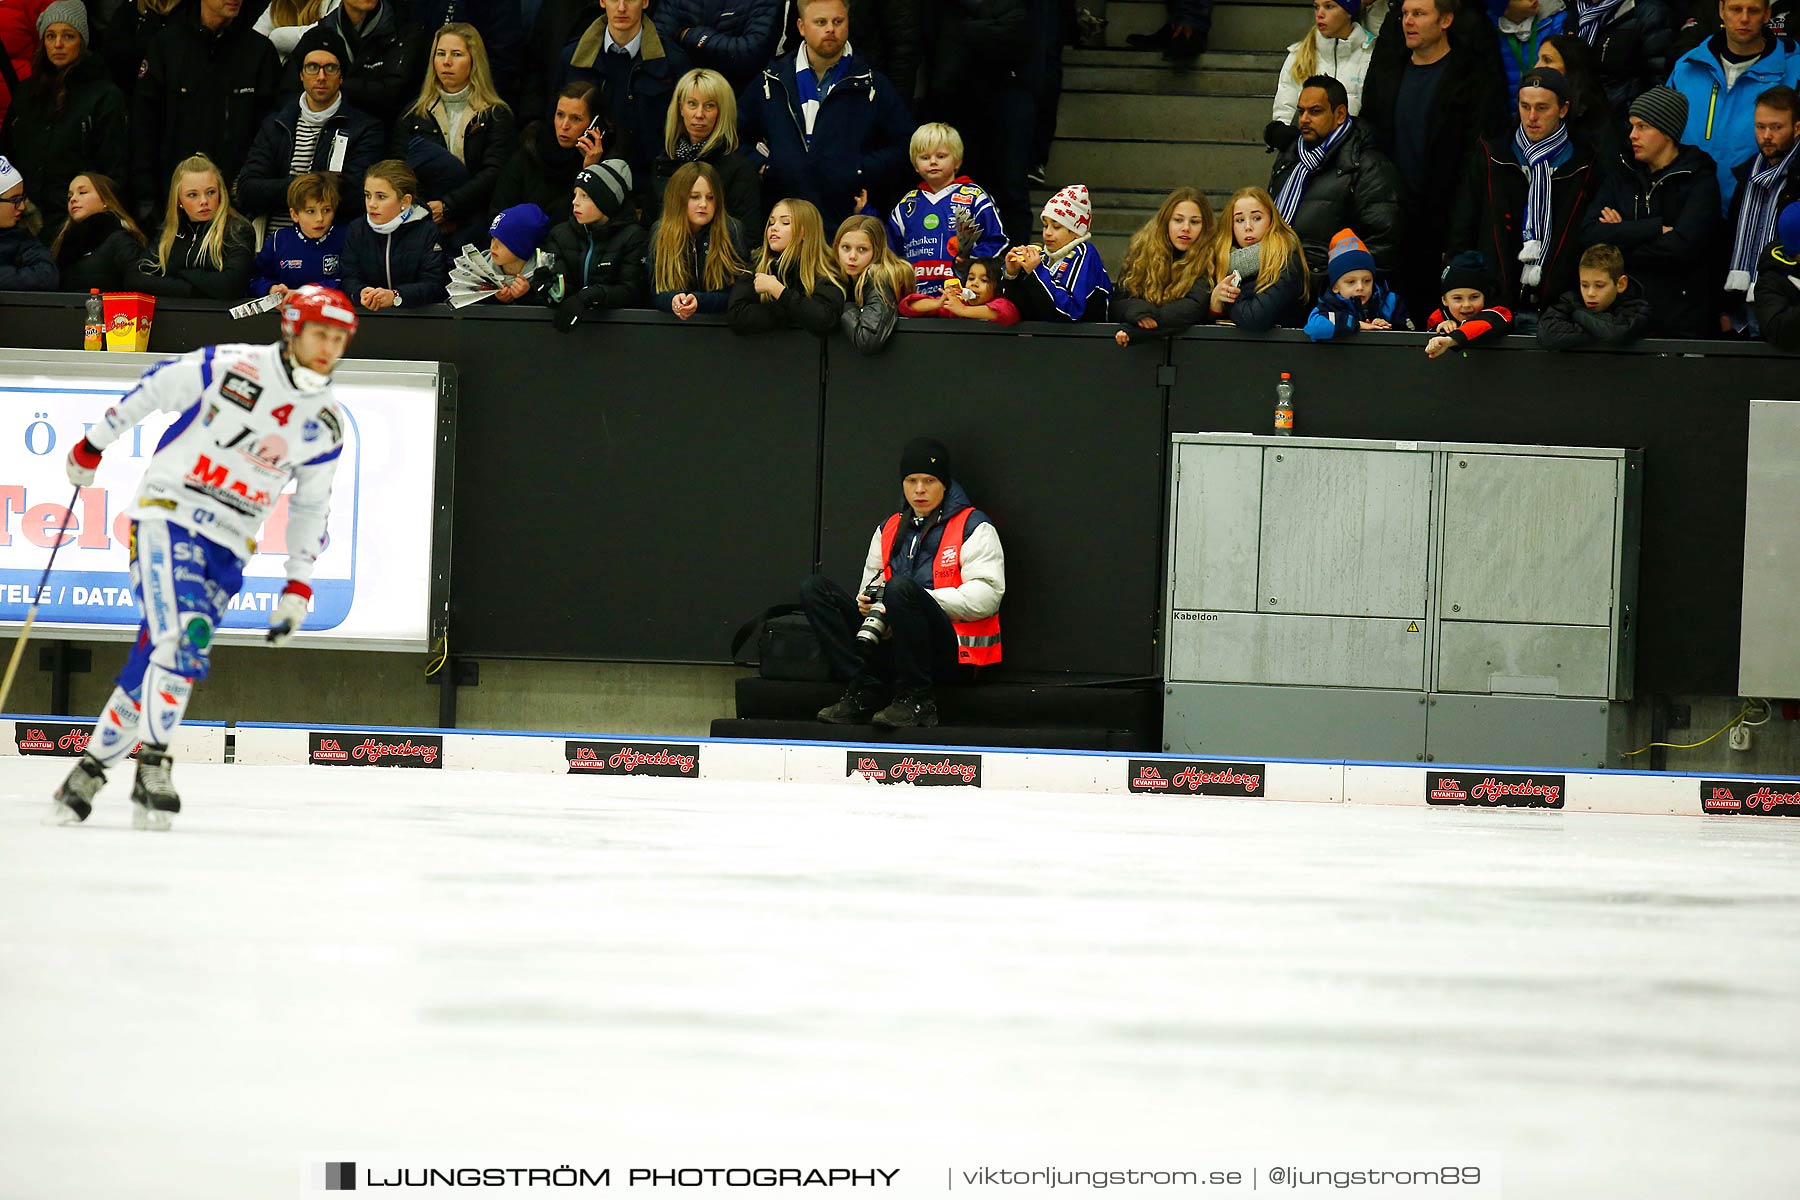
[(1548, 78), (1469, 270), (925, 456), (608, 185), (320, 38)]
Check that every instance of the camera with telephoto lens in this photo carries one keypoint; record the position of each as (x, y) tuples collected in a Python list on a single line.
[(874, 626)]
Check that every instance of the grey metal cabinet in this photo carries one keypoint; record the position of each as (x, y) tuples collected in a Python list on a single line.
[(1412, 600), (1769, 646)]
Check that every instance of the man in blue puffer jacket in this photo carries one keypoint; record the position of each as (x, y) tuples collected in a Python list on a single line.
[(1723, 76), (733, 37), (826, 127)]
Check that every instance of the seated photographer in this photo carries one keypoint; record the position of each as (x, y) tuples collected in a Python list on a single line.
[(933, 582)]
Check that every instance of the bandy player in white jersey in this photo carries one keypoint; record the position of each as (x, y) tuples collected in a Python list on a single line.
[(251, 418)]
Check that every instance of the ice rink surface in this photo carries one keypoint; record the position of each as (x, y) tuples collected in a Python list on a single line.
[(318, 963)]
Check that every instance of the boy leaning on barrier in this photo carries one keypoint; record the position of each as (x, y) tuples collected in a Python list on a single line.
[(1607, 310)]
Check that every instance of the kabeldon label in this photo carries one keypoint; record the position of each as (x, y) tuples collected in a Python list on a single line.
[(657, 759), (1487, 789), (918, 770), (345, 749), (1749, 798), (1161, 776)]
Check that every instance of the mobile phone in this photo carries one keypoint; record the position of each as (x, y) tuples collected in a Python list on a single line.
[(1234, 279)]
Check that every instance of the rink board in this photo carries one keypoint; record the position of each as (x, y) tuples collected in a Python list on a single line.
[(1177, 777)]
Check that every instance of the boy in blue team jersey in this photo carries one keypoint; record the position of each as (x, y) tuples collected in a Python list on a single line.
[(309, 250), (947, 217)]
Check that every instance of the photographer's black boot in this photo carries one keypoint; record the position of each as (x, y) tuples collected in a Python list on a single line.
[(854, 707), (910, 710)]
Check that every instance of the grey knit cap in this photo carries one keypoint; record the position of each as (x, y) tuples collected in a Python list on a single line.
[(67, 12), (1662, 108), (607, 184)]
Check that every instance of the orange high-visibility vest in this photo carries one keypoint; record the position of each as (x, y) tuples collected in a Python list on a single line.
[(977, 642)]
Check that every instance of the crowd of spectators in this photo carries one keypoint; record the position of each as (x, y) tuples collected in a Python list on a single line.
[(1588, 170)]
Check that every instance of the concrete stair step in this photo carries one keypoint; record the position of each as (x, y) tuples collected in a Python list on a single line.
[(1221, 60), (1157, 166), (1145, 74), (1138, 118), (1147, 81), (1112, 249), (1236, 26)]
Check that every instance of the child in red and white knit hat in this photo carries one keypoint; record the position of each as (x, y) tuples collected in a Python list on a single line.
[(1071, 209), (1064, 279)]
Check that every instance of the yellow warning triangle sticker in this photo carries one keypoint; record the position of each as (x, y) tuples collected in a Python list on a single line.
[(1413, 628)]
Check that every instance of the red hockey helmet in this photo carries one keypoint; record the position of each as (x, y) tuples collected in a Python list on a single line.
[(316, 303)]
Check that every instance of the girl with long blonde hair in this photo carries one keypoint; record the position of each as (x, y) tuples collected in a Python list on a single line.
[(459, 110), (874, 279), (206, 248), (795, 283), (694, 255), (1163, 287), (1257, 269)]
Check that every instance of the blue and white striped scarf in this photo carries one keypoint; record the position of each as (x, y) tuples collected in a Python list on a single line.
[(1311, 159), (1594, 17), (1535, 158), (1756, 223)]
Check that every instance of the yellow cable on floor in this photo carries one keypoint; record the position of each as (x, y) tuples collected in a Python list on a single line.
[(1726, 728)]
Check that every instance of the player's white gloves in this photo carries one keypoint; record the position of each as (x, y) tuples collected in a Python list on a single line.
[(289, 614), (82, 460)]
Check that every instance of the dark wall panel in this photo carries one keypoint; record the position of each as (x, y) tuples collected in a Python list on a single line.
[(630, 491), (1058, 436)]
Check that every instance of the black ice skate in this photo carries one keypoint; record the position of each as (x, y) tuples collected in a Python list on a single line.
[(75, 798), (153, 798)]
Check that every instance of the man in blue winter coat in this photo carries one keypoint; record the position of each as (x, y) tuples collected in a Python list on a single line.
[(1723, 76), (824, 126)]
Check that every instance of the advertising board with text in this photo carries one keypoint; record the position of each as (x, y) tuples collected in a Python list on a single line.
[(371, 587)]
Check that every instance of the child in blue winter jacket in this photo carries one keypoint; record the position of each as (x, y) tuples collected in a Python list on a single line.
[(308, 251), (930, 223), (1064, 279), (1357, 299)]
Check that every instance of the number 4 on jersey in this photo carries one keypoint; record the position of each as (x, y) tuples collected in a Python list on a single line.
[(283, 413)]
